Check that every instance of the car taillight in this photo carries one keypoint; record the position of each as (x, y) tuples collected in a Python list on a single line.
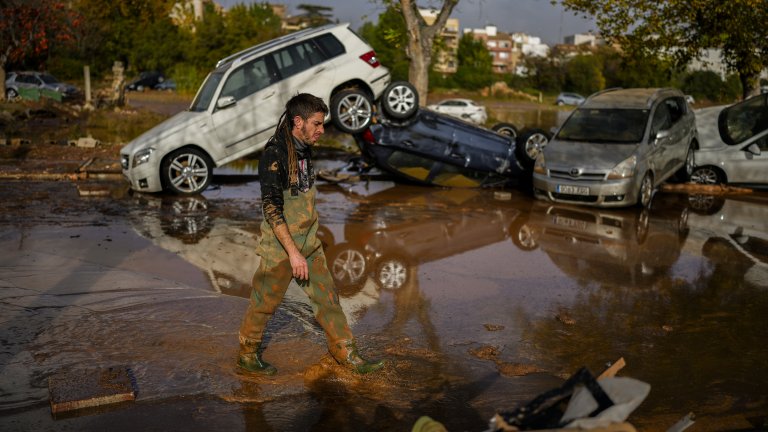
[(368, 136), (370, 58)]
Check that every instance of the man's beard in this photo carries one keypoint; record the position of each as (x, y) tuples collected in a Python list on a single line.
[(305, 135)]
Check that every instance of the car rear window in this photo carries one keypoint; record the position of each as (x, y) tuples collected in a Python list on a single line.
[(605, 126), (330, 45), (744, 120)]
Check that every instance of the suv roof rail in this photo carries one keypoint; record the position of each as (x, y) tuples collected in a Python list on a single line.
[(278, 41)]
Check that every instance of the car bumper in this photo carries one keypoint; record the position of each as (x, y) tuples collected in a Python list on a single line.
[(609, 193), (143, 178)]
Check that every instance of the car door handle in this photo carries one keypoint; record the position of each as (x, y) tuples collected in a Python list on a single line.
[(408, 143), (269, 95), (320, 69)]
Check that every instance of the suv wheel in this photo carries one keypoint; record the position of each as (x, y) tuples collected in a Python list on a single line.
[(187, 171), (11, 94), (351, 110), (400, 100)]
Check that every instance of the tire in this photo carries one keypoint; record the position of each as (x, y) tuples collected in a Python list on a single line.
[(400, 100), (351, 110), (529, 144), (507, 129), (392, 273), (705, 204), (185, 218), (645, 194), (684, 173), (347, 265), (560, 103), (707, 175), (11, 94), (186, 171)]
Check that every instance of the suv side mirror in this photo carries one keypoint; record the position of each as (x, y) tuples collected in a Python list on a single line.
[(753, 148), (225, 101)]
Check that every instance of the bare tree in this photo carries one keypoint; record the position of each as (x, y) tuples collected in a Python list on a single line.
[(421, 39)]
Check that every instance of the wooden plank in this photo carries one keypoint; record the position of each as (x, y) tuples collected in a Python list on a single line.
[(73, 390)]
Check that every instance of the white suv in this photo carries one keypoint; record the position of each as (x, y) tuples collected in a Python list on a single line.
[(238, 106)]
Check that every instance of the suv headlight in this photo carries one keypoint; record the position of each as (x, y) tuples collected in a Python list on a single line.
[(624, 170), (142, 156), (540, 166)]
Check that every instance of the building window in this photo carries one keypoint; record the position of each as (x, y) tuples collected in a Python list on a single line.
[(491, 44), (503, 55)]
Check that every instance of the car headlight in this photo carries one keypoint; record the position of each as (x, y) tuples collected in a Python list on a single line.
[(142, 156), (624, 170), (540, 166)]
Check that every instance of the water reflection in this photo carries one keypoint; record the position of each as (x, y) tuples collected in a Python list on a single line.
[(621, 247)]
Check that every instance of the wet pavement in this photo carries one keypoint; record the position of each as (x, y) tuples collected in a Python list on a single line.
[(477, 303)]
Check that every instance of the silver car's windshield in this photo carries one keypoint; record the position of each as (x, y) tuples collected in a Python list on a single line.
[(610, 126), (204, 96)]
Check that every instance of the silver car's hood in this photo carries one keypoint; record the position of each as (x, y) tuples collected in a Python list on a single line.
[(587, 155), (171, 126), (706, 126)]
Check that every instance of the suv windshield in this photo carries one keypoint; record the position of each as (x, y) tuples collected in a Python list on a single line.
[(204, 96), (744, 120), (615, 126)]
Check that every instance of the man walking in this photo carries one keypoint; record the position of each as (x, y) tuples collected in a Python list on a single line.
[(289, 246)]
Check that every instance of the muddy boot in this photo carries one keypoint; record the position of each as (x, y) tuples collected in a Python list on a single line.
[(345, 353), (250, 359)]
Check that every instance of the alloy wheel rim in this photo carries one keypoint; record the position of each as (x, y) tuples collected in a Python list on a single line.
[(534, 144), (704, 176), (188, 173), (354, 111), (401, 99)]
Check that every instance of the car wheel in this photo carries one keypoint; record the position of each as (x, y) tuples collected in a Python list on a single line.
[(392, 273), (187, 171), (400, 100), (351, 110), (11, 94), (346, 264), (685, 172), (507, 129), (560, 103), (523, 235), (645, 194), (707, 175), (705, 204), (529, 144), (642, 221)]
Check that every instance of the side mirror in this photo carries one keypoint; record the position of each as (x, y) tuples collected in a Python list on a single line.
[(753, 148), (225, 101), (661, 135)]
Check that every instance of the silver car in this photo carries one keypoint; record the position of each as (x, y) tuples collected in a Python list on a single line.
[(733, 143), (617, 147)]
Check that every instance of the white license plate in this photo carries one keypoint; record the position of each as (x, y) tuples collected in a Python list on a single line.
[(573, 190)]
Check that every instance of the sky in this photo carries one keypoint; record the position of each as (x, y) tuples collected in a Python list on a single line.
[(535, 17)]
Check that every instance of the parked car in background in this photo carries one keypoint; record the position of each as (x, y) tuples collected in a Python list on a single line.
[(436, 149), (733, 143), (146, 81), (167, 85), (15, 82), (239, 104), (617, 147), (569, 99), (465, 109)]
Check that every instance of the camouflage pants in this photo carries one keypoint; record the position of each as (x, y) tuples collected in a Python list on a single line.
[(270, 283)]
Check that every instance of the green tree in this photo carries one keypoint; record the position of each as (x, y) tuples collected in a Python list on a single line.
[(684, 28), (544, 73), (389, 39), (475, 69), (584, 74)]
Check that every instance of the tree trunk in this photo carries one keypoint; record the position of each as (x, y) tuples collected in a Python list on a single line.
[(421, 38), (750, 84)]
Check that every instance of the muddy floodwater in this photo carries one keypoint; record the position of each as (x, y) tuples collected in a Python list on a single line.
[(477, 304)]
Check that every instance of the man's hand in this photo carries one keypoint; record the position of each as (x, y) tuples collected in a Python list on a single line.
[(299, 266), (298, 262)]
